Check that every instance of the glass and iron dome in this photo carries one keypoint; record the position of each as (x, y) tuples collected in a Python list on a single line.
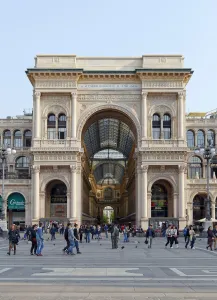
[(109, 173), (108, 133)]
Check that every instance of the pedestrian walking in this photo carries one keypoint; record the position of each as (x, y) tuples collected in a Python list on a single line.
[(125, 234), (71, 238), (114, 236), (185, 232), (81, 231), (215, 236), (169, 236), (187, 237), (40, 240), (76, 239), (192, 237), (210, 238), (33, 239), (13, 237), (150, 234), (66, 238), (53, 232), (87, 234)]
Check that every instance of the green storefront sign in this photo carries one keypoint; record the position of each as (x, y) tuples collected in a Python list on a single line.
[(16, 201)]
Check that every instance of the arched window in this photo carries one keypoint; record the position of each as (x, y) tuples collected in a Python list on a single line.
[(198, 207), (200, 138), (27, 138), (7, 138), (211, 137), (18, 141), (62, 127), (190, 139), (51, 127), (159, 201), (195, 167), (156, 127), (22, 162), (167, 126)]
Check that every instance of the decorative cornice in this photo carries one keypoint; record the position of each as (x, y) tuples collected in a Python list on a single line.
[(55, 83)]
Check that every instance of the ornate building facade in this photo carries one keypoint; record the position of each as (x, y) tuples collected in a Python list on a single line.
[(108, 132)]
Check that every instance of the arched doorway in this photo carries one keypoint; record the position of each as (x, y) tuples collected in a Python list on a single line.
[(162, 203), (199, 209), (159, 201), (108, 215), (56, 201), (109, 139), (16, 209)]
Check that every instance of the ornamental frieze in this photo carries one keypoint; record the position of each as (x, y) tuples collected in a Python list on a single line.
[(162, 84), (54, 157), (55, 84), (106, 98)]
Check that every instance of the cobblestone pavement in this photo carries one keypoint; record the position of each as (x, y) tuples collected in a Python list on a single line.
[(133, 272)]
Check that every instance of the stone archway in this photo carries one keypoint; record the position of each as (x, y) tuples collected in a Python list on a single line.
[(162, 199), (123, 109), (56, 200)]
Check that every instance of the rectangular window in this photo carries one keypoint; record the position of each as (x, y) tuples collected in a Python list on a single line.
[(51, 133), (62, 133), (18, 143), (156, 133)]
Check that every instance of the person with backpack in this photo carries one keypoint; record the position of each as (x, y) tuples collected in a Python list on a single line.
[(114, 236), (66, 238), (185, 232)]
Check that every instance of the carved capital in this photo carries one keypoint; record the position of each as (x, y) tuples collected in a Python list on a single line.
[(180, 95), (74, 94), (35, 169), (37, 95), (144, 168), (144, 95), (73, 168), (182, 168)]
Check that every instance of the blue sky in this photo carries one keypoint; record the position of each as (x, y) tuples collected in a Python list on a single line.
[(107, 28)]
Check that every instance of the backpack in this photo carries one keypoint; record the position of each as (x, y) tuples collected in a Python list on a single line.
[(116, 232)]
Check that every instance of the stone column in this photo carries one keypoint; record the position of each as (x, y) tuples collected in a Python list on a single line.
[(213, 210), (173, 128), (175, 203), (42, 204), (138, 196), (181, 115), (79, 194), (144, 198), (182, 220), (36, 200), (37, 114), (74, 114), (68, 205), (144, 114), (162, 126), (73, 193)]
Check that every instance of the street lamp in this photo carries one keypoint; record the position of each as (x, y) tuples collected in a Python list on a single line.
[(4, 153), (207, 153)]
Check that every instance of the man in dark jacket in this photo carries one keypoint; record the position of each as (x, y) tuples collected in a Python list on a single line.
[(33, 239), (150, 234), (76, 238), (66, 237)]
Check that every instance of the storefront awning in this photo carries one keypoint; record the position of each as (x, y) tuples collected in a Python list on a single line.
[(16, 201)]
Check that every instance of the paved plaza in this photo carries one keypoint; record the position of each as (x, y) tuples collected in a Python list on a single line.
[(134, 272)]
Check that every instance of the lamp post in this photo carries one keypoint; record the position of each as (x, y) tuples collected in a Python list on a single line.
[(207, 153), (4, 153)]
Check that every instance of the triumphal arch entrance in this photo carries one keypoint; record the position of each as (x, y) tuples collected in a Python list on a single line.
[(109, 132)]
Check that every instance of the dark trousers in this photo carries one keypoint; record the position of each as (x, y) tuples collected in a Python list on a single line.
[(67, 245), (81, 237), (77, 245), (187, 241), (168, 240), (34, 246)]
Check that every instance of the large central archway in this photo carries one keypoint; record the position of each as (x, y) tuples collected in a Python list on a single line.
[(109, 139)]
